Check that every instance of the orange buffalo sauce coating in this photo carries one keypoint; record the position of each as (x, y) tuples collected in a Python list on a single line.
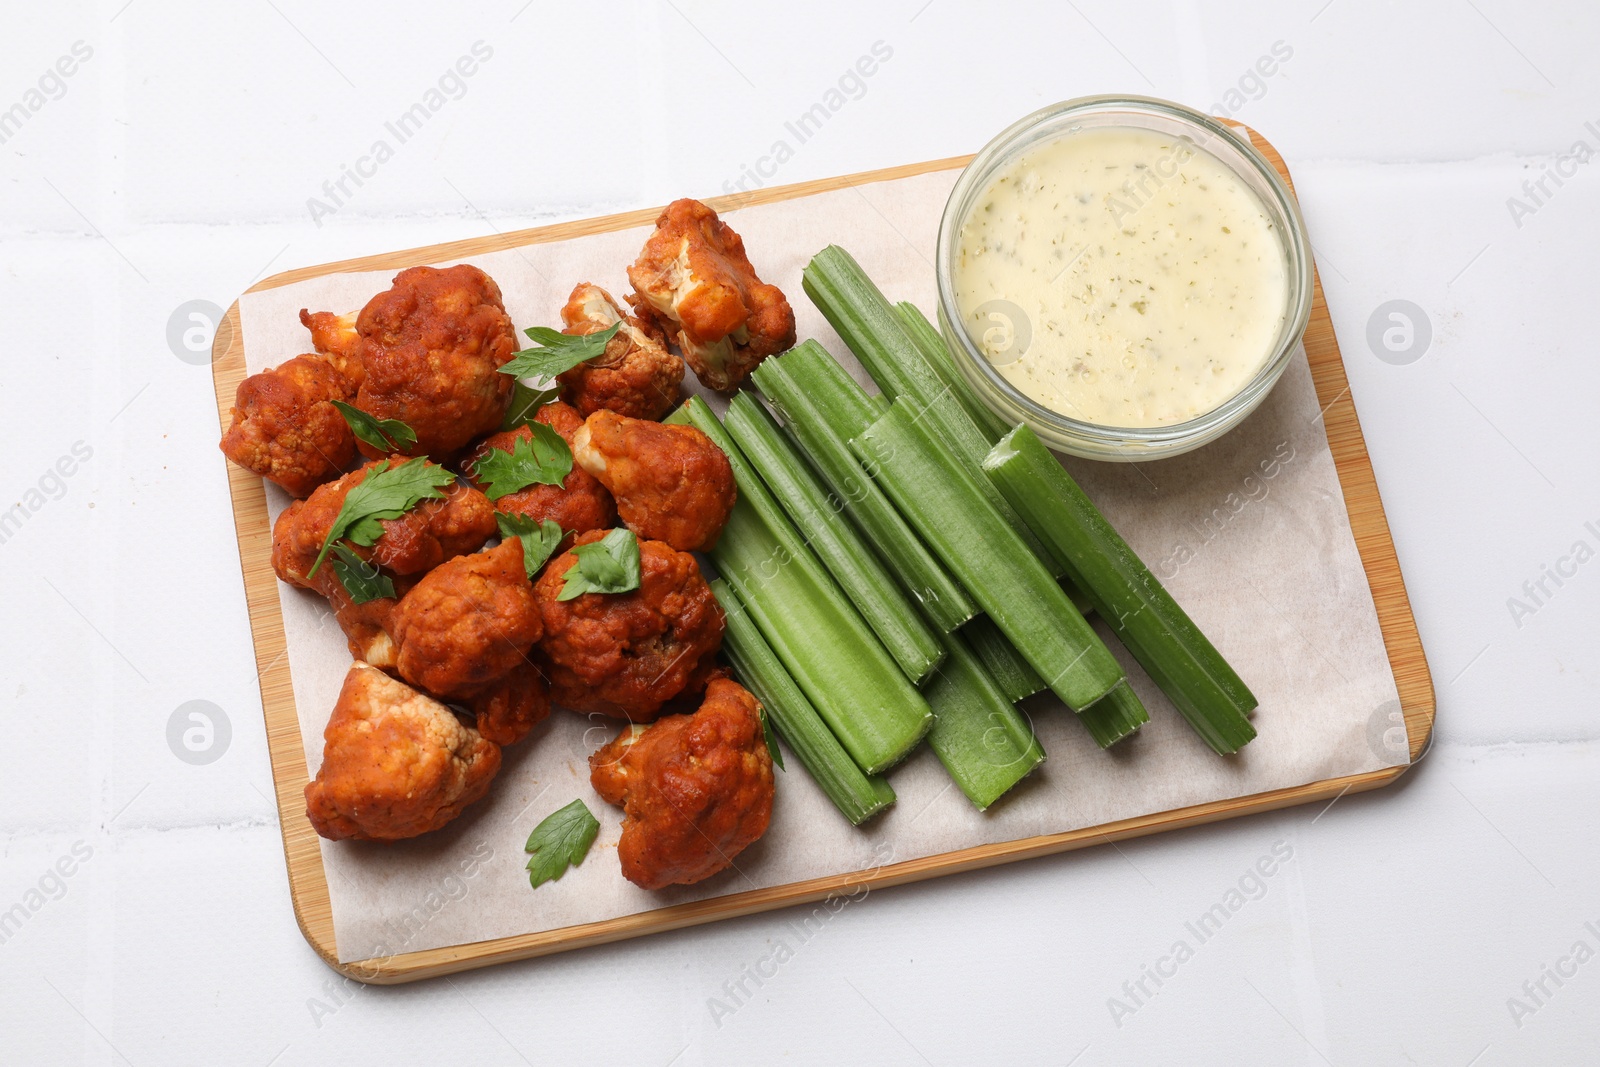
[(696, 790)]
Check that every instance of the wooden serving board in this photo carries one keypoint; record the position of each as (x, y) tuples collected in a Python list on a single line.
[(308, 883)]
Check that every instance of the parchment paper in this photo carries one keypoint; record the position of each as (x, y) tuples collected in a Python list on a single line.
[(1250, 534)]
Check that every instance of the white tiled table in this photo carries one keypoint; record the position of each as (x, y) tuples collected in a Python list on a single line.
[(176, 163)]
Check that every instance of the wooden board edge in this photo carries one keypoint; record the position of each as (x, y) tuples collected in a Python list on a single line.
[(308, 881), (563, 231), (1368, 521), (436, 963), (307, 878)]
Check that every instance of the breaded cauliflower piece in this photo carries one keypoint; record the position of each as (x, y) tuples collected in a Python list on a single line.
[(429, 351), (418, 541), (671, 483), (469, 622), (289, 538), (627, 654), (696, 790), (694, 276), (579, 504), (285, 427), (369, 627), (395, 763), (509, 708), (335, 339), (635, 376)]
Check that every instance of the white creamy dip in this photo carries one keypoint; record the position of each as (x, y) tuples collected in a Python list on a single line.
[(1150, 280)]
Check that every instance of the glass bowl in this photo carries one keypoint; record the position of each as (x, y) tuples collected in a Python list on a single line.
[(1126, 443)]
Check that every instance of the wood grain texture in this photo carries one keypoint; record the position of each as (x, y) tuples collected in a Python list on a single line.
[(307, 880)]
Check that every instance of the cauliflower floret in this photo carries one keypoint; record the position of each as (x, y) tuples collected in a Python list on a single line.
[(369, 627), (335, 339), (469, 622), (421, 539), (285, 427), (635, 376), (696, 790), (627, 654), (395, 763), (671, 483), (509, 708), (694, 276), (429, 352), (579, 504)]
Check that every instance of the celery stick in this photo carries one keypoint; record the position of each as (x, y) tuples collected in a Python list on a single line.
[(809, 379), (1114, 716), (1161, 636), (856, 686), (858, 571), (856, 795), (941, 499), (1013, 674), (934, 349), (810, 399), (984, 743), (867, 322)]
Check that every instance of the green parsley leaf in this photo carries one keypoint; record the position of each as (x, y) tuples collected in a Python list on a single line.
[(525, 403), (386, 493), (561, 841), (772, 740), (543, 459), (609, 565), (539, 539), (361, 578), (386, 435), (555, 352)]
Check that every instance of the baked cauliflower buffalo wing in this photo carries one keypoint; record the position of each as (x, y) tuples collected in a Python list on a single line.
[(418, 541), (368, 627), (694, 276), (635, 376), (335, 339), (429, 351), (469, 622), (579, 504), (627, 654), (395, 763), (285, 427), (508, 709), (695, 790), (671, 483)]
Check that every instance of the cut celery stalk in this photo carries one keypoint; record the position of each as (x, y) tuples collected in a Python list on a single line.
[(856, 686), (1114, 716), (1011, 672), (809, 379), (937, 352), (984, 743), (934, 349), (856, 795), (810, 398), (1159, 633), (869, 325), (854, 566), (941, 499)]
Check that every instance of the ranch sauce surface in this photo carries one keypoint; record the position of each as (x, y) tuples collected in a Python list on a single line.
[(1150, 278)]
